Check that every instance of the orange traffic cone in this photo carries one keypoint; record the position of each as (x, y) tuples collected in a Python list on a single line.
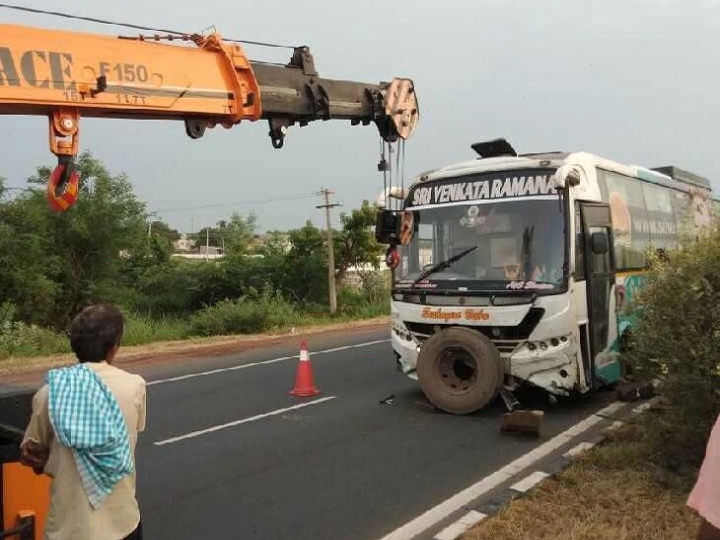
[(304, 384)]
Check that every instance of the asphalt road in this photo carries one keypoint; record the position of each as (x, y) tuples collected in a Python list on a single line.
[(346, 468)]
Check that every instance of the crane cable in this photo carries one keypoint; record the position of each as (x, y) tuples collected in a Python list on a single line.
[(131, 25), (402, 173), (397, 179)]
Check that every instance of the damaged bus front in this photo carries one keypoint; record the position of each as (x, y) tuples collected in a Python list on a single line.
[(504, 274)]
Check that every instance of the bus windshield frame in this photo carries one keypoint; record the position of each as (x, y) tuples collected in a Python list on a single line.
[(501, 246)]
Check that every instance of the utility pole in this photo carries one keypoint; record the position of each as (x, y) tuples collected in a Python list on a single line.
[(207, 243), (331, 248)]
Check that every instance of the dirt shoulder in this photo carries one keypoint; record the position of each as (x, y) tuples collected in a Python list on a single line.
[(31, 370), (608, 493)]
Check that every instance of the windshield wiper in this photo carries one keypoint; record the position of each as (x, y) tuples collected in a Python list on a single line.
[(442, 265)]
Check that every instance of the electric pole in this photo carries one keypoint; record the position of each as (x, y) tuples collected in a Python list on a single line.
[(331, 249)]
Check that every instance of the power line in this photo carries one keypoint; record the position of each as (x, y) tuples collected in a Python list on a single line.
[(96, 20), (257, 201)]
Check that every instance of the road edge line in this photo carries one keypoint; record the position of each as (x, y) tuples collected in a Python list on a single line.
[(436, 514), (461, 526)]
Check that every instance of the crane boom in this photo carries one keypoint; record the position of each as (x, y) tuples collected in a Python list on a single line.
[(65, 75)]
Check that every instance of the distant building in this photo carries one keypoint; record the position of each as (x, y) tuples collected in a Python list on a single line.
[(198, 256), (184, 244), (208, 250), (186, 248)]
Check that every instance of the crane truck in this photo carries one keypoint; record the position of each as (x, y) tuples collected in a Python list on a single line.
[(66, 75), (202, 81)]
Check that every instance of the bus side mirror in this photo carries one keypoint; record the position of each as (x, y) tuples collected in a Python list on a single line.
[(567, 176), (600, 243), (386, 226)]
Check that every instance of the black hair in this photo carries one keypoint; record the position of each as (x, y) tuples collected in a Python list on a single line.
[(95, 331)]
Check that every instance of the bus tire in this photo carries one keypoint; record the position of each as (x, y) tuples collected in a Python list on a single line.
[(460, 370)]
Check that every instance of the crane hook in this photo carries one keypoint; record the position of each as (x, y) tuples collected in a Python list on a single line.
[(63, 185), (278, 141), (278, 131)]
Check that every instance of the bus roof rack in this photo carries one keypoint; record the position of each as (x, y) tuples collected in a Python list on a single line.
[(494, 148), (684, 176), (552, 154)]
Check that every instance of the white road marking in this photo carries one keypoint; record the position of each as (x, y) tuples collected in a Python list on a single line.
[(243, 421), (261, 363), (529, 482), (642, 407), (579, 449), (454, 530), (434, 515)]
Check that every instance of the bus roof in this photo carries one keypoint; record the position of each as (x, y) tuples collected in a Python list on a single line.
[(670, 175), (680, 175)]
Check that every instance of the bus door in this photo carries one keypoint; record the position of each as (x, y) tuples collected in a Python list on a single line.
[(600, 279)]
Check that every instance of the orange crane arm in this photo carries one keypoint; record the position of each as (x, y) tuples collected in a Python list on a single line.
[(65, 75)]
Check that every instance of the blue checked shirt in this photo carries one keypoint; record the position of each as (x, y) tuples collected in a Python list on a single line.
[(87, 419)]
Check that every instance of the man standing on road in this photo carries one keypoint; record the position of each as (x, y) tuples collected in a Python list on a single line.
[(83, 431), (705, 496)]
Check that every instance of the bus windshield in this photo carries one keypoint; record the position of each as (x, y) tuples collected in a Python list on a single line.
[(518, 245)]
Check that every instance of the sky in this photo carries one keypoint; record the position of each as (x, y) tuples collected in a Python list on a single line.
[(632, 80)]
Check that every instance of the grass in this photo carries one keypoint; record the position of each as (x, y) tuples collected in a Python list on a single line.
[(609, 493), (18, 340), (140, 329)]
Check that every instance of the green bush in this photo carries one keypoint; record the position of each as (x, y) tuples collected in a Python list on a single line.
[(229, 317), (282, 314), (21, 339), (161, 320), (351, 301), (371, 299), (244, 316), (676, 343), (140, 329), (170, 289), (376, 287)]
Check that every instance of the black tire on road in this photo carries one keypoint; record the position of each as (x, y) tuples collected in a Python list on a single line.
[(460, 370)]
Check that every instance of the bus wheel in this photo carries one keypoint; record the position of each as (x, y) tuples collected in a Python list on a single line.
[(459, 370)]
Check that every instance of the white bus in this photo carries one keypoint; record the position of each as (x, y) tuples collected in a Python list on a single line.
[(513, 270)]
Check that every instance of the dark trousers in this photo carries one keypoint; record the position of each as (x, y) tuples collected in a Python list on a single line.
[(136, 534)]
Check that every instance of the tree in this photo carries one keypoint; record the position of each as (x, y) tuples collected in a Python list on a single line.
[(307, 241), (73, 257), (355, 244), (209, 236), (234, 236), (27, 268), (238, 233), (277, 243), (163, 230), (305, 272)]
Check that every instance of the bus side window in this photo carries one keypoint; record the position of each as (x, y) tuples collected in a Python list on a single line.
[(579, 246)]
